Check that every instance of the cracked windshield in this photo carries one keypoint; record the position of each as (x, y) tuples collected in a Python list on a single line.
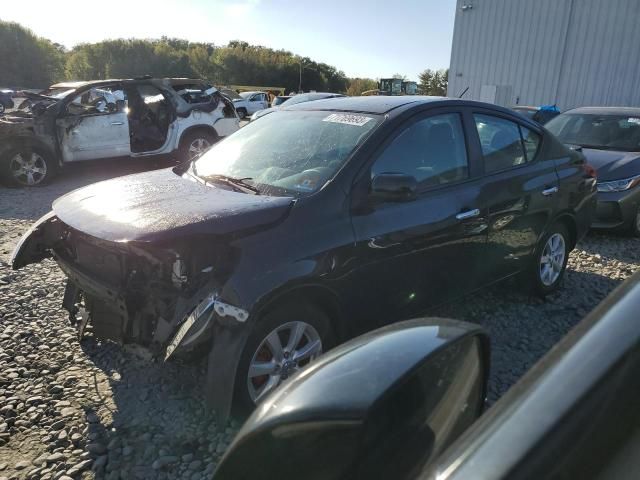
[(251, 239)]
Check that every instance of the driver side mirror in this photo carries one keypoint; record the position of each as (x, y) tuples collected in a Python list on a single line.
[(394, 187), (382, 405)]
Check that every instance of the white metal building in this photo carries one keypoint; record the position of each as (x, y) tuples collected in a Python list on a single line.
[(537, 52)]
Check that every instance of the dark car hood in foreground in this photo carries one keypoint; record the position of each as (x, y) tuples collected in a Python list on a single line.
[(160, 205), (613, 165)]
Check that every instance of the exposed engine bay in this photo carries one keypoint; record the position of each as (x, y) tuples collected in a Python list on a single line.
[(133, 293)]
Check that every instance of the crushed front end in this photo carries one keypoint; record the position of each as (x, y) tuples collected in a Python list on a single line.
[(163, 298)]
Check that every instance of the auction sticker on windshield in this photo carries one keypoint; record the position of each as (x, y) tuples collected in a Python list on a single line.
[(347, 119)]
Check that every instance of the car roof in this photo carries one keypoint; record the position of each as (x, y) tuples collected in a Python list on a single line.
[(367, 104), (156, 80), (252, 92), (320, 93), (184, 81), (606, 110), (70, 84), (525, 107)]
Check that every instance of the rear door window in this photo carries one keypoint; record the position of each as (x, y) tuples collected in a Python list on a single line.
[(531, 141), (502, 143)]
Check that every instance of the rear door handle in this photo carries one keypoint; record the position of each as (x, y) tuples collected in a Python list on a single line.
[(117, 123), (468, 214), (549, 191)]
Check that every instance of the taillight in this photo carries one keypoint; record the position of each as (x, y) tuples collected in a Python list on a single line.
[(589, 171)]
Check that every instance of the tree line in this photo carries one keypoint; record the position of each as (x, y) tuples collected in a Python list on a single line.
[(29, 61)]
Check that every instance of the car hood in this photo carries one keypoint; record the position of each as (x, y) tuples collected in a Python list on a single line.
[(613, 165), (265, 111), (162, 205)]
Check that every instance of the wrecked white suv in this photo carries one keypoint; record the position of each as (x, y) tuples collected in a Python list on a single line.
[(110, 119)]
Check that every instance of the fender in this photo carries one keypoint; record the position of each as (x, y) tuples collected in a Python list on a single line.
[(229, 339), (31, 141), (207, 128)]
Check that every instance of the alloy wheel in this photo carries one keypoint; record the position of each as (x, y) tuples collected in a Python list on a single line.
[(197, 147), (28, 169), (552, 259), (284, 351)]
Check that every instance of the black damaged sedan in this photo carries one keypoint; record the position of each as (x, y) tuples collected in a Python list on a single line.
[(322, 221)]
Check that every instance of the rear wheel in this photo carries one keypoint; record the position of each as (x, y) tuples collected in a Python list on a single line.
[(635, 224), (283, 341), (27, 166), (551, 260)]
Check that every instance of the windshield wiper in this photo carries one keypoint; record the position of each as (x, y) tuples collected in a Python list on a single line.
[(236, 182)]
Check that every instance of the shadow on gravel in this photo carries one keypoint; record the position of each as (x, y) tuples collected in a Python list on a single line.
[(152, 417), (31, 203), (524, 327), (612, 246)]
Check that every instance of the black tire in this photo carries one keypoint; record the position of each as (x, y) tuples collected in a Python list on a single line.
[(279, 317), (2, 108), (534, 277), (185, 154), (44, 166), (242, 113), (635, 224)]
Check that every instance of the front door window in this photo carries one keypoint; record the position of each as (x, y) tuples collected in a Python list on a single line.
[(431, 150)]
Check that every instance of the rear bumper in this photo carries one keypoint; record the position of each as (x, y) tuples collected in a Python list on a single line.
[(616, 210)]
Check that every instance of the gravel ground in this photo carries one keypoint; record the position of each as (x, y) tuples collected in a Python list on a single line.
[(92, 410)]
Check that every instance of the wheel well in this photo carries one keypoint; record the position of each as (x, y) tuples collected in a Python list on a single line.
[(28, 142), (570, 224), (197, 128), (320, 297)]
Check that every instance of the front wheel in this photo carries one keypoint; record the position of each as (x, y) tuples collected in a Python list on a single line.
[(27, 166), (283, 341), (2, 108), (551, 259), (242, 113)]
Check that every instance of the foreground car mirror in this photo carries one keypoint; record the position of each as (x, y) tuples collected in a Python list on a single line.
[(380, 406), (396, 187)]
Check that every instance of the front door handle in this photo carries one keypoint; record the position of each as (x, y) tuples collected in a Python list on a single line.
[(117, 123), (549, 191), (468, 214)]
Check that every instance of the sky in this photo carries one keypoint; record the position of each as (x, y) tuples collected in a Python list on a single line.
[(362, 38)]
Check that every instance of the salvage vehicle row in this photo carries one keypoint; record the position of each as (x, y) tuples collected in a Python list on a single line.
[(132, 118)]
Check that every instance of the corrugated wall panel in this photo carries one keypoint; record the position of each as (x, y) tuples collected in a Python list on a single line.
[(569, 52)]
